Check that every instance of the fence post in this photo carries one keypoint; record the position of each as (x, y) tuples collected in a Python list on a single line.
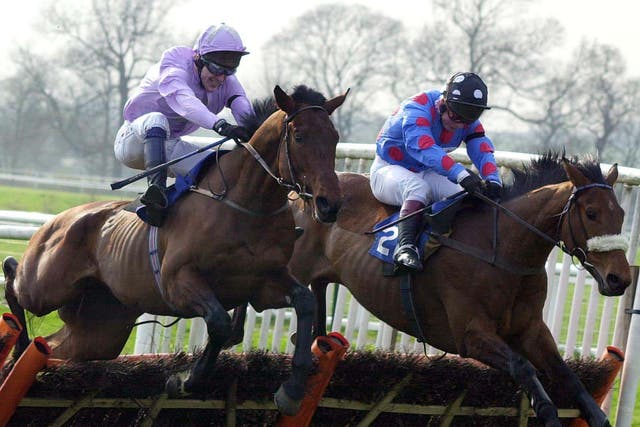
[(630, 370)]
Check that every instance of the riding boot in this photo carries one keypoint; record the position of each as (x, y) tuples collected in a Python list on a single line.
[(155, 197), (406, 255)]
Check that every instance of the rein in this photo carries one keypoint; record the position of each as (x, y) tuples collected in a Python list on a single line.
[(292, 186), (594, 244)]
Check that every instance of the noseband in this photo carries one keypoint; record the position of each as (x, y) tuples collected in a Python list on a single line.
[(594, 244)]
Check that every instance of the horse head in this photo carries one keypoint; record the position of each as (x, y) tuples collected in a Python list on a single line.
[(309, 143), (591, 230)]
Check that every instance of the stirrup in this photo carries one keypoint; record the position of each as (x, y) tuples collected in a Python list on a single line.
[(407, 258), (155, 197)]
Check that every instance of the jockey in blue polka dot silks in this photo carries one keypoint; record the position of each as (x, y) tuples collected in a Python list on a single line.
[(412, 167), (181, 93)]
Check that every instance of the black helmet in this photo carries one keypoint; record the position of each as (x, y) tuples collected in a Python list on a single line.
[(466, 95)]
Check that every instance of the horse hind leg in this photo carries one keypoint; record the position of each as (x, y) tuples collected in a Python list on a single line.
[(96, 325), (10, 266)]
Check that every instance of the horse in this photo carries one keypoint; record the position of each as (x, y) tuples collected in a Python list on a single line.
[(484, 301), (225, 243)]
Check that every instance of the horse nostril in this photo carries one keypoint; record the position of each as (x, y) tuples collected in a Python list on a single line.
[(612, 278), (322, 204)]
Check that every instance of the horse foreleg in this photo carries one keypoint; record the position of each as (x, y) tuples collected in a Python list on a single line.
[(237, 326), (491, 350), (9, 267), (543, 353), (289, 396), (319, 289)]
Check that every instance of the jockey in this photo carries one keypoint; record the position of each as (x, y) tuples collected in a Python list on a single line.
[(178, 95), (412, 167)]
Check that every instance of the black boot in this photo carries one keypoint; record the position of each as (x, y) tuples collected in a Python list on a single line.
[(155, 198), (406, 255)]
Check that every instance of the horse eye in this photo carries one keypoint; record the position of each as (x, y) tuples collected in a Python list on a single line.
[(591, 214), (298, 138)]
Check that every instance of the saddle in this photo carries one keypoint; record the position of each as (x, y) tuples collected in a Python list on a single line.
[(437, 222), (181, 186)]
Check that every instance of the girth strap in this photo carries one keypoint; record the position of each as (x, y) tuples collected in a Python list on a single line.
[(406, 292), (483, 256)]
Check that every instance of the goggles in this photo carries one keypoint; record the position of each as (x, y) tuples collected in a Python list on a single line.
[(216, 69), (456, 118)]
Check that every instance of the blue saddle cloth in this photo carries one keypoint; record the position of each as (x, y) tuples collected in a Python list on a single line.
[(386, 240), (182, 184)]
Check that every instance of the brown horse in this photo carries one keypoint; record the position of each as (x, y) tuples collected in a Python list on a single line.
[(92, 262), (492, 313)]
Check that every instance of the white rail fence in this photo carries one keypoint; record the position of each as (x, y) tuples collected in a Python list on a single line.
[(582, 321)]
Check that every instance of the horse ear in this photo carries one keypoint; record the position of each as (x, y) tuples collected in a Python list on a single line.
[(612, 175), (284, 101), (335, 102), (575, 176)]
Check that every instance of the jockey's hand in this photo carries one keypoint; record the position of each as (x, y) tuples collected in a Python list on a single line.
[(238, 133), (472, 183), (494, 190)]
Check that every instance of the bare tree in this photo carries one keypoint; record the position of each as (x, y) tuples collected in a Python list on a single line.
[(498, 40), (104, 50), (610, 98), (333, 47), (24, 132)]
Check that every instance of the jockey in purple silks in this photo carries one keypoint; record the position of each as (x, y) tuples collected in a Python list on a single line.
[(412, 167), (180, 94)]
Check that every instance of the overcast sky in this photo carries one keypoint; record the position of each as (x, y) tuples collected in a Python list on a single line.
[(610, 21)]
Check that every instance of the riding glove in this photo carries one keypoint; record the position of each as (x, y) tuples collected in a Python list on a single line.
[(472, 183), (494, 190), (238, 133)]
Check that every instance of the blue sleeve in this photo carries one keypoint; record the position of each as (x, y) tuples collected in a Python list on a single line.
[(480, 150), (421, 144)]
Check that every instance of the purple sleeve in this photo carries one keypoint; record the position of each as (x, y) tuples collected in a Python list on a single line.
[(237, 100), (174, 86)]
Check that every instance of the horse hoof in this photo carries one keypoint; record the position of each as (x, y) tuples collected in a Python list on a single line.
[(175, 385), (286, 405), (9, 267)]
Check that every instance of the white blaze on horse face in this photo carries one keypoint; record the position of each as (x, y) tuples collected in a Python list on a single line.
[(607, 243)]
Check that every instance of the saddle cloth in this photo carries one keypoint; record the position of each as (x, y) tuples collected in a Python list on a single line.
[(386, 240), (179, 188)]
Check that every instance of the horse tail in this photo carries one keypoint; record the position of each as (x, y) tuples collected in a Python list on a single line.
[(10, 266)]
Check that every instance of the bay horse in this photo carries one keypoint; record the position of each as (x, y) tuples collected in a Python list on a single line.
[(465, 305), (92, 262)]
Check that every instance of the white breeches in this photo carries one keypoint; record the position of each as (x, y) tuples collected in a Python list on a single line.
[(129, 144), (393, 184)]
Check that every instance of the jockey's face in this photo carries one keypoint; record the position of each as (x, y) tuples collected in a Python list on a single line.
[(211, 81), (449, 122)]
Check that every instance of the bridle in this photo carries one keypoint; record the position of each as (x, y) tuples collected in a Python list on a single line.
[(292, 185), (594, 243)]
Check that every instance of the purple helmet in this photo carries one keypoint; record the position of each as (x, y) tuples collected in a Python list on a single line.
[(222, 45)]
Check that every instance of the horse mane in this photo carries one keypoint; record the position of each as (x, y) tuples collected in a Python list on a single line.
[(265, 107), (547, 169)]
